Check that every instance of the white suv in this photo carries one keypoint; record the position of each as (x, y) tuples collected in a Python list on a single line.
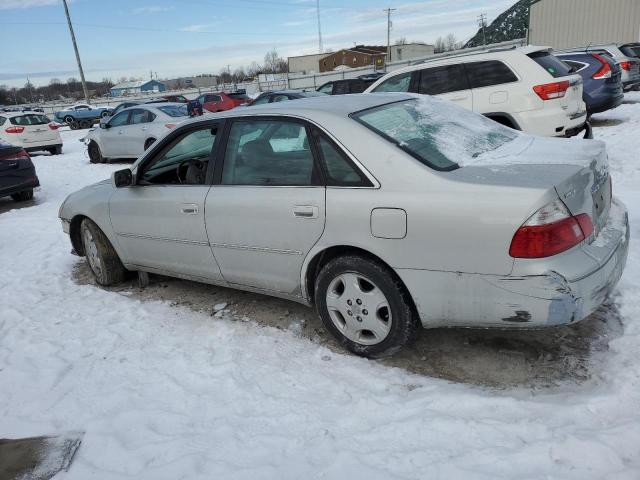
[(525, 88)]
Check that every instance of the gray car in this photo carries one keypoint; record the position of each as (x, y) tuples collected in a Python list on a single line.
[(385, 211)]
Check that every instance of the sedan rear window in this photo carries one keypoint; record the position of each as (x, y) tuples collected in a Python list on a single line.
[(174, 110), (435, 132), (552, 64), (26, 120)]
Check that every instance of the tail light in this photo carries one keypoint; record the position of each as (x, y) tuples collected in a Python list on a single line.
[(54, 126), (14, 129), (626, 66), (605, 70), (22, 154), (170, 125), (552, 91), (549, 231)]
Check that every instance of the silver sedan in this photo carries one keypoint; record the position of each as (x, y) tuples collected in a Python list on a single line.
[(131, 131), (386, 211)]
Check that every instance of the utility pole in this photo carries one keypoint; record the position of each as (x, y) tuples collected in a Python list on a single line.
[(319, 27), (389, 10), (482, 21), (75, 47)]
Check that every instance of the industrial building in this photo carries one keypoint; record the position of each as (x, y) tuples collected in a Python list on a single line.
[(135, 88), (576, 23), (357, 56)]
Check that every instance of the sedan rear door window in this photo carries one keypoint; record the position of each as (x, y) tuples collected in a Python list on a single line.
[(486, 74), (141, 116), (398, 83), (268, 153), (339, 170)]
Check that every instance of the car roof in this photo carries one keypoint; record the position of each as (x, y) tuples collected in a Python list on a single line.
[(310, 107)]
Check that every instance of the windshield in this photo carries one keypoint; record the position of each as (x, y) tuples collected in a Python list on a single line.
[(174, 110), (438, 133)]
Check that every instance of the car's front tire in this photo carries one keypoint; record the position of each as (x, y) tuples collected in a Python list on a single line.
[(23, 196), (101, 256), (364, 306), (105, 114), (95, 155)]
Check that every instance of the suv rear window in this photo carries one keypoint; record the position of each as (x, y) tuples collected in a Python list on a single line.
[(552, 64), (435, 132), (26, 120), (631, 51), (485, 74)]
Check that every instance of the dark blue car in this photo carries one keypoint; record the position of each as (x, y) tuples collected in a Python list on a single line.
[(601, 76)]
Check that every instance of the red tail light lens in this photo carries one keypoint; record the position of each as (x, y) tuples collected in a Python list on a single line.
[(605, 70), (14, 129), (16, 156), (551, 230), (54, 126), (552, 91), (626, 66)]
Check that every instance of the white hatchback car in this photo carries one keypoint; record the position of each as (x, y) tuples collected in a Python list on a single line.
[(524, 88), (130, 132), (32, 131)]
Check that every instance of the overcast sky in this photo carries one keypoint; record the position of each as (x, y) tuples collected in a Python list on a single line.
[(188, 37)]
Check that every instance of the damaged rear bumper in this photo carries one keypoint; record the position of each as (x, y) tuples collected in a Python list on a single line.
[(551, 298)]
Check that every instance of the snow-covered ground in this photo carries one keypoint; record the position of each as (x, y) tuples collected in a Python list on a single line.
[(164, 392)]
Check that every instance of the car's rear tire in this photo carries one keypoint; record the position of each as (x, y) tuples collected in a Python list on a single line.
[(84, 124), (149, 142), (95, 156), (365, 306), (69, 119), (57, 150), (105, 114), (23, 196), (101, 256)]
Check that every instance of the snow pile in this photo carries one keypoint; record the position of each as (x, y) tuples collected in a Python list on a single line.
[(166, 393)]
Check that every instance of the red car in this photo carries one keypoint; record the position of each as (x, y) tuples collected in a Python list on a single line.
[(221, 101)]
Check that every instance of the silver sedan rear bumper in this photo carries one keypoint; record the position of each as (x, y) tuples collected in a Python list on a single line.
[(476, 300)]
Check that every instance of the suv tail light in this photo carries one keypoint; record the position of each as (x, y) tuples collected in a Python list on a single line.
[(549, 231), (14, 129), (626, 66), (605, 70), (54, 126), (552, 91)]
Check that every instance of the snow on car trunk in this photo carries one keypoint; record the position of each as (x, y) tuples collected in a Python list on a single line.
[(164, 393)]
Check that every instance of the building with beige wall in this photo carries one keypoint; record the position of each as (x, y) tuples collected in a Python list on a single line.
[(576, 23)]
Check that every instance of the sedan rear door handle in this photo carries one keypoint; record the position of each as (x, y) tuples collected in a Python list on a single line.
[(190, 209), (305, 211)]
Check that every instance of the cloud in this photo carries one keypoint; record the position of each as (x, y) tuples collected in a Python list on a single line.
[(151, 9), (198, 28), (11, 4)]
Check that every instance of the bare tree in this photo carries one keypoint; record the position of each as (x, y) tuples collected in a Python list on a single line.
[(274, 63), (439, 45), (254, 69), (451, 42), (401, 41)]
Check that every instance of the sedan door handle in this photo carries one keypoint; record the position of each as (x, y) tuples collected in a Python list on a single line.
[(190, 209), (305, 211)]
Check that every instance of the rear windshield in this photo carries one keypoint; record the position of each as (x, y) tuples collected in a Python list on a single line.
[(26, 120), (242, 96), (174, 110), (438, 133), (553, 65), (631, 51)]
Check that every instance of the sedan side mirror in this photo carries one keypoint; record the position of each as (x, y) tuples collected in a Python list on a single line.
[(122, 178), (105, 125)]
